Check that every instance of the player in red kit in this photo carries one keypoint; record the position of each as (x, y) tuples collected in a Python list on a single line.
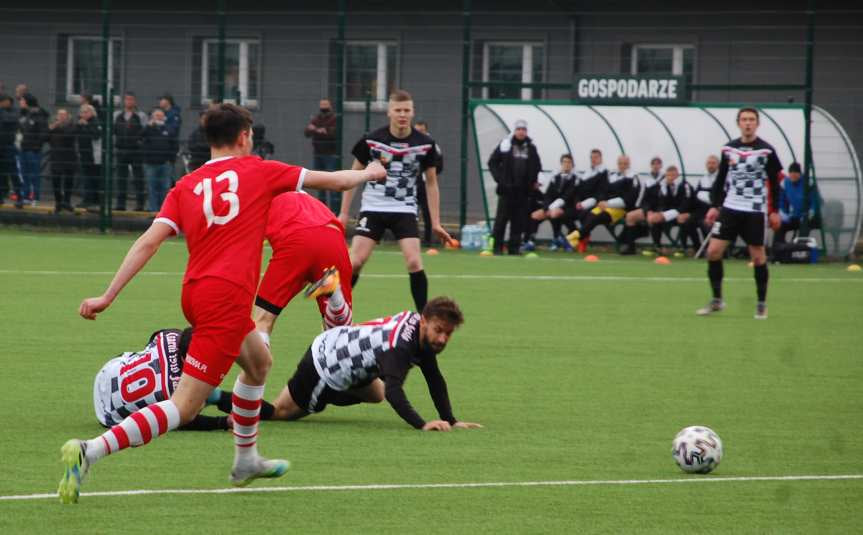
[(222, 209), (309, 246)]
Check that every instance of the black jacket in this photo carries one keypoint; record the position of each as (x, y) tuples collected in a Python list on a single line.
[(503, 166), (157, 144), (33, 124), (623, 191), (588, 186), (199, 149), (128, 132), (86, 134), (677, 197), (8, 127), (559, 187), (61, 138)]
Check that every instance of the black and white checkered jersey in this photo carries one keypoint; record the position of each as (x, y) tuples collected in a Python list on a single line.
[(405, 161), (751, 171), (351, 356), (131, 381)]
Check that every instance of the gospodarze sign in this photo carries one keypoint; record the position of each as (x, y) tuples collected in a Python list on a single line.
[(632, 89)]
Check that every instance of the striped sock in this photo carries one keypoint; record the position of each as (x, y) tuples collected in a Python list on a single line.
[(136, 430), (338, 311), (246, 411)]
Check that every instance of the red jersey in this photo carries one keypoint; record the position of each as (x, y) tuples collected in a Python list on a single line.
[(291, 212), (222, 208)]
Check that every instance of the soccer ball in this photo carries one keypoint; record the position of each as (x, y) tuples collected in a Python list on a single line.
[(697, 449)]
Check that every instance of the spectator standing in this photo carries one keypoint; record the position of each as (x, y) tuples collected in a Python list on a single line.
[(174, 122), (10, 181), (88, 134), (422, 199), (515, 167), (157, 152), (33, 125), (322, 129), (64, 160), (129, 124), (199, 149)]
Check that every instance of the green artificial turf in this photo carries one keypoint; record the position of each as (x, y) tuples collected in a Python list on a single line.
[(578, 371)]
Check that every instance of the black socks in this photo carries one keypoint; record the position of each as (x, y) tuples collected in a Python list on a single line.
[(419, 289), (715, 272), (761, 282)]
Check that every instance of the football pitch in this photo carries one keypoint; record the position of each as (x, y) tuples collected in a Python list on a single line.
[(582, 374)]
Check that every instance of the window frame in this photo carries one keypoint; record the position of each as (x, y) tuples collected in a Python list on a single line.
[(379, 101), (70, 96), (527, 93), (242, 68), (676, 56)]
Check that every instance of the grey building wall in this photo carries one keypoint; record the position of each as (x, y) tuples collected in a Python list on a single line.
[(160, 53)]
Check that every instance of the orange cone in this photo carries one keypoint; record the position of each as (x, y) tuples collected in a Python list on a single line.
[(662, 260), (591, 258), (432, 251)]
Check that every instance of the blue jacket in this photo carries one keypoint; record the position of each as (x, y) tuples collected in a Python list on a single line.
[(791, 199)]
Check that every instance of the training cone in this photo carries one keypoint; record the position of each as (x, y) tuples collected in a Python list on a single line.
[(531, 255), (453, 244), (662, 260), (591, 258), (432, 251), (855, 267), (486, 253)]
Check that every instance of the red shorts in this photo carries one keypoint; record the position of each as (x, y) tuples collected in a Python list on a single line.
[(300, 259), (220, 313)]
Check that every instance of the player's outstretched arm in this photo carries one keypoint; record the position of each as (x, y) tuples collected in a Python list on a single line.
[(348, 197), (345, 180), (139, 254), (433, 196)]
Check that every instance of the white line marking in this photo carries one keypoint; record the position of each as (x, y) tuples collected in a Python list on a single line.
[(470, 276), (410, 486)]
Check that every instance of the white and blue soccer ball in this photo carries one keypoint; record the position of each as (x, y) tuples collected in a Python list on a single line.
[(697, 449)]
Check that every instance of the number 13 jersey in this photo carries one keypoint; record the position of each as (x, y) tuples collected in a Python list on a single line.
[(222, 208)]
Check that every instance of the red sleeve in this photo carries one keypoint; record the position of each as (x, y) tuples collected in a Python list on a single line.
[(284, 177), (170, 212)]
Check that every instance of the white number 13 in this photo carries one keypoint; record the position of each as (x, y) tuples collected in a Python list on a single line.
[(230, 197)]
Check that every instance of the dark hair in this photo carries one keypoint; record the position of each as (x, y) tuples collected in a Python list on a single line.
[(445, 309), (183, 345), (793, 168), (224, 123), (32, 101), (670, 167), (400, 95), (567, 156), (596, 151), (741, 111), (169, 98), (130, 94), (422, 122), (656, 159)]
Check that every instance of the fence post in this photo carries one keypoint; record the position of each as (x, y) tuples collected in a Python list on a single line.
[(368, 114), (221, 60), (340, 79), (107, 120), (465, 96)]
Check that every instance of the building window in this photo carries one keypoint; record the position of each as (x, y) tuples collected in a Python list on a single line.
[(513, 62), (370, 71), (662, 60), (84, 66), (242, 71)]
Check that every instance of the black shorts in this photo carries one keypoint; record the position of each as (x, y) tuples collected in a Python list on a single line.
[(732, 223), (307, 388), (374, 224)]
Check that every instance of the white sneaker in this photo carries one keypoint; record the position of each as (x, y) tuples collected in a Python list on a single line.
[(761, 311), (262, 468), (74, 457), (715, 305)]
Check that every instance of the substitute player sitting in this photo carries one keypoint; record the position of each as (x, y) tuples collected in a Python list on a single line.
[(369, 363), (222, 209), (407, 154), (133, 380), (308, 243), (623, 192)]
